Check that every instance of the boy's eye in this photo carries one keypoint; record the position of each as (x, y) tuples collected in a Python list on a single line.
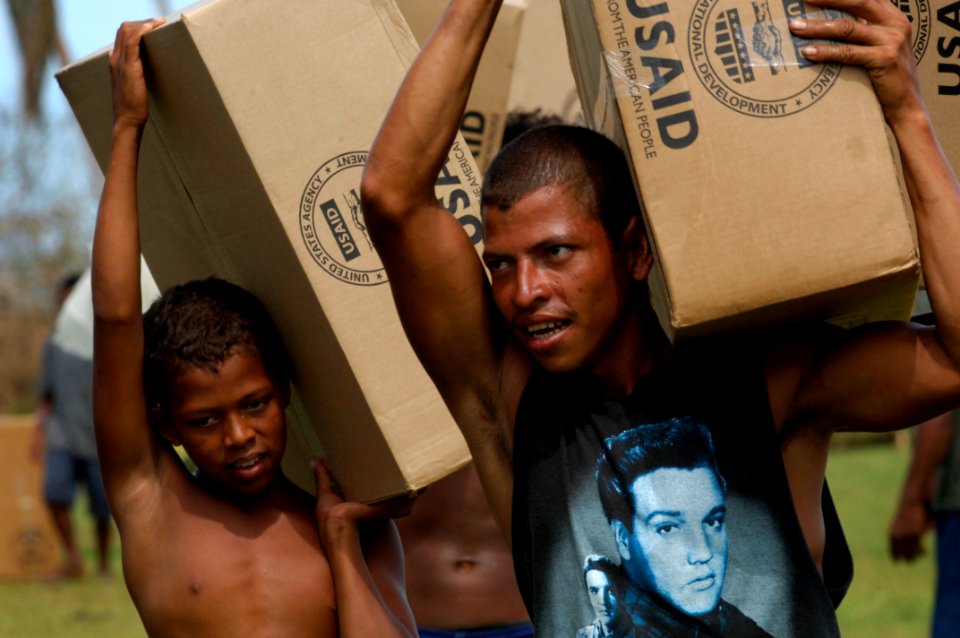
[(201, 421), (256, 405)]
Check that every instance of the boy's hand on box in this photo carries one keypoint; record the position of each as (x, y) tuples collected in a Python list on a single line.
[(335, 515), (126, 70), (876, 37)]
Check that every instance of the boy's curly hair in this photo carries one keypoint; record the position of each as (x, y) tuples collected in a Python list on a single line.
[(201, 323)]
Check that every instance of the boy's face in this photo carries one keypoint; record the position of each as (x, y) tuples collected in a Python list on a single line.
[(230, 422), (557, 280)]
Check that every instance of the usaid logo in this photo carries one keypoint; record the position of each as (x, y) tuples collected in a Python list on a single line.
[(332, 225), (749, 61)]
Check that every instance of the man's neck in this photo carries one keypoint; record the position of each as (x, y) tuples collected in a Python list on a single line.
[(635, 347)]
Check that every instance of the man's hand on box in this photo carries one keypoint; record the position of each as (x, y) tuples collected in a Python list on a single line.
[(126, 71), (876, 37)]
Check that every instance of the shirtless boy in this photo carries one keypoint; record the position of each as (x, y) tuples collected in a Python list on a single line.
[(560, 350), (233, 550)]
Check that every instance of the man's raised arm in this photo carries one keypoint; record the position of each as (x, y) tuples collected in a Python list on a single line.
[(125, 444), (890, 376), (437, 279)]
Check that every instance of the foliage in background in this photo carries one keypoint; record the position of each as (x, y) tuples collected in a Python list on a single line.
[(48, 195)]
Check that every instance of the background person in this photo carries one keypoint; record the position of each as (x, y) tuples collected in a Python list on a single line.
[(64, 440), (459, 573), (930, 499)]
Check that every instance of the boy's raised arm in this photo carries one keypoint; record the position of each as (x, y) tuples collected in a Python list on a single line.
[(438, 281), (127, 448)]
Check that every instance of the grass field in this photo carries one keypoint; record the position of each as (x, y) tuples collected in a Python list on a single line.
[(885, 601)]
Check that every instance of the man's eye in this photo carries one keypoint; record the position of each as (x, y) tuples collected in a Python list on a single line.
[(558, 251), (666, 529), (496, 265)]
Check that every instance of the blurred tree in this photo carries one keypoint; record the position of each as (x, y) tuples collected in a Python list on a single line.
[(35, 23), (48, 190)]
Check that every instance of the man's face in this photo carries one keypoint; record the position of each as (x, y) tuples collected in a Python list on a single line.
[(230, 422), (557, 280), (603, 597), (678, 546)]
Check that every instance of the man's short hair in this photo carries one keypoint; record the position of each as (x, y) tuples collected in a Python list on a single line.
[(681, 443), (198, 325), (520, 121), (591, 166)]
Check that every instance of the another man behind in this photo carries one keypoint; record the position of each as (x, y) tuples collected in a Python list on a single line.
[(930, 499), (459, 573)]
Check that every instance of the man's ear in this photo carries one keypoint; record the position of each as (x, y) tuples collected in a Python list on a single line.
[(638, 249), (161, 424), (621, 538)]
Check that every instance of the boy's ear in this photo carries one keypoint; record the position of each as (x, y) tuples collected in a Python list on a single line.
[(638, 249), (161, 424)]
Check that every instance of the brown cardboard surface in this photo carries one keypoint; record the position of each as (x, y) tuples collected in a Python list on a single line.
[(261, 117), (542, 78), (485, 116), (768, 184), (28, 545)]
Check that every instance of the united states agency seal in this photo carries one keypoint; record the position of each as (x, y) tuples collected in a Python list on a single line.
[(749, 60), (332, 224)]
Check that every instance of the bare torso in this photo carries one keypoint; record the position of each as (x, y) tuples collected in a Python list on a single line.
[(199, 565), (459, 569)]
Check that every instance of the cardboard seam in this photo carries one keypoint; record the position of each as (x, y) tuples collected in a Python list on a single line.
[(397, 31)]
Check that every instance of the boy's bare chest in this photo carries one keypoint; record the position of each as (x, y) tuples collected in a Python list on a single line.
[(215, 572)]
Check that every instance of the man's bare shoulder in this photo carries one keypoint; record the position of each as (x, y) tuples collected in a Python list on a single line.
[(203, 565)]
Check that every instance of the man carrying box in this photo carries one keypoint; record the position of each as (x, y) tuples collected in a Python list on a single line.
[(561, 352)]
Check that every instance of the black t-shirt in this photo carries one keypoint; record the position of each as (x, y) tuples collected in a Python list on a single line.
[(735, 535)]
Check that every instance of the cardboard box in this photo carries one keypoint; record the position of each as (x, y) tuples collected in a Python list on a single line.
[(542, 78), (485, 117), (769, 188), (261, 117), (28, 544), (936, 48)]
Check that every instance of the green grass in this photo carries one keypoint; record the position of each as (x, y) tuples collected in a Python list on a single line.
[(86, 608), (886, 600)]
